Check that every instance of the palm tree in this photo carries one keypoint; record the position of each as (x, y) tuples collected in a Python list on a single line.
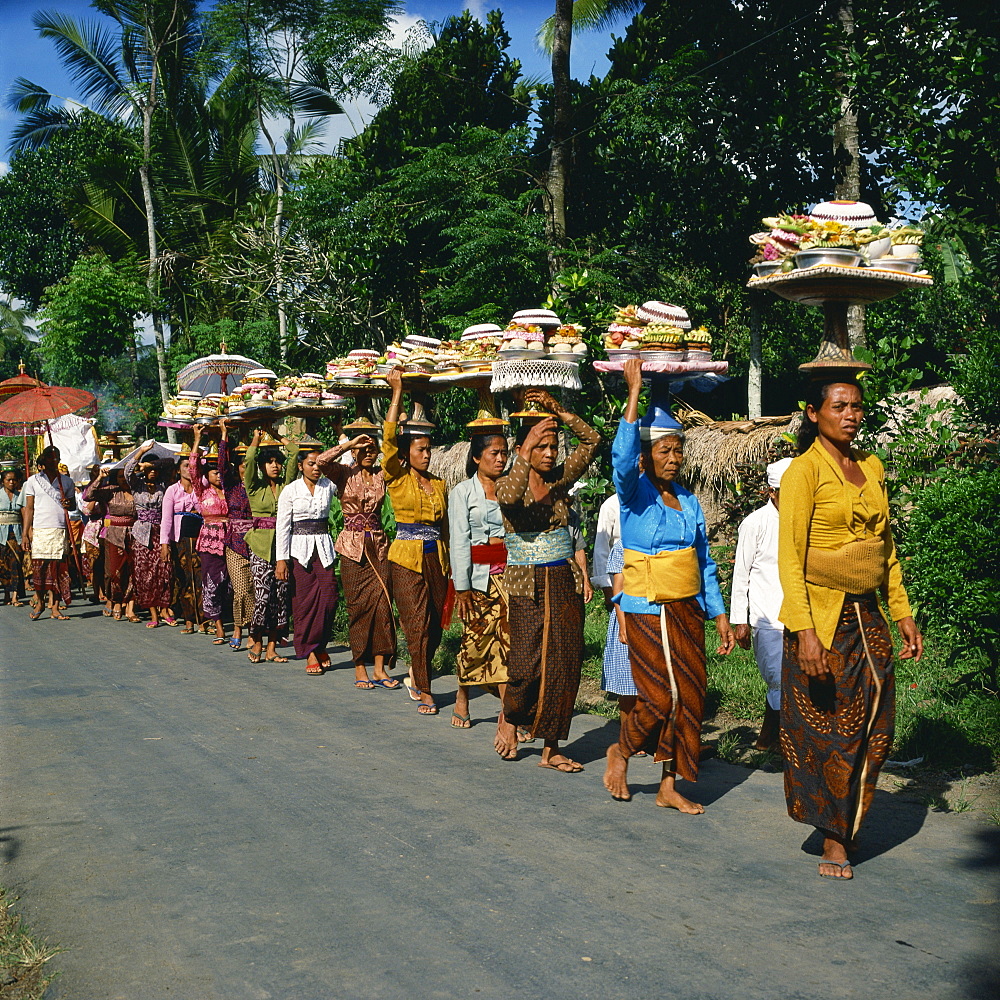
[(122, 75), (14, 327), (555, 36)]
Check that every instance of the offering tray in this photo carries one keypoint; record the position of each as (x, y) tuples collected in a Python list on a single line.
[(535, 374), (817, 286), (466, 380), (174, 424), (360, 391), (683, 369)]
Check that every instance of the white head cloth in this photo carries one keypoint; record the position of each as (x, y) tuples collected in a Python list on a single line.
[(775, 471)]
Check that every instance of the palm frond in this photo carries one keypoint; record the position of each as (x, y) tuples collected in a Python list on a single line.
[(588, 15), (90, 56), (37, 127)]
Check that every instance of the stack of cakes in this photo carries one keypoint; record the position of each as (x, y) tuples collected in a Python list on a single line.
[(208, 408), (256, 389), (479, 346), (183, 407), (525, 334)]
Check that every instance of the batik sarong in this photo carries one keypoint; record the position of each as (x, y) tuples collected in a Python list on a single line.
[(117, 573), (10, 563), (153, 578), (485, 649), (546, 652), (186, 561), (371, 627), (238, 567), (314, 601), (836, 735), (271, 600), (420, 600), (676, 730), (214, 583)]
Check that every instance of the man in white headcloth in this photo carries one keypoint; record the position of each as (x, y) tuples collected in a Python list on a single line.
[(756, 599)]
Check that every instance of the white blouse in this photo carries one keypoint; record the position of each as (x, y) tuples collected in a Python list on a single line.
[(296, 503)]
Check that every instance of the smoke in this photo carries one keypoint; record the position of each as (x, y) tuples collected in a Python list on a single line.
[(112, 417)]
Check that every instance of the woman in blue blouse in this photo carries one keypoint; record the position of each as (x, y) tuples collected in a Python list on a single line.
[(11, 555), (670, 588)]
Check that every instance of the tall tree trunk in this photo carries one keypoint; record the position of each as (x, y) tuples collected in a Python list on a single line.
[(847, 153), (755, 375), (559, 160)]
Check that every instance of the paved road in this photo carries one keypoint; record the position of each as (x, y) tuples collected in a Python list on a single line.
[(190, 825)]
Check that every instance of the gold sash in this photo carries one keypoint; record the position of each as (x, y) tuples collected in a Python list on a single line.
[(671, 575), (859, 567)]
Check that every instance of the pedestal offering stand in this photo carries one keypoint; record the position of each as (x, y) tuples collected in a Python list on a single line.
[(835, 288)]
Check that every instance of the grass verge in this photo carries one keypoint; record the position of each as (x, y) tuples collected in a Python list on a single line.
[(23, 958)]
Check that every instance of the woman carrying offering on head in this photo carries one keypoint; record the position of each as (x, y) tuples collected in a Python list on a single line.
[(266, 473), (418, 554), (669, 587), (153, 577), (305, 557), (835, 556), (478, 561), (364, 559), (544, 582), (180, 526), (113, 490), (240, 521), (211, 544), (11, 554)]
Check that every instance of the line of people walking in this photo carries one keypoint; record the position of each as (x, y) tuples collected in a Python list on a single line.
[(255, 533)]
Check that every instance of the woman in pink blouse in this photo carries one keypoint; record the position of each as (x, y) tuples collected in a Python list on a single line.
[(211, 543)]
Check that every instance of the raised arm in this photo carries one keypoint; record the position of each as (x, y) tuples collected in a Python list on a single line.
[(512, 487), (627, 446), (252, 478)]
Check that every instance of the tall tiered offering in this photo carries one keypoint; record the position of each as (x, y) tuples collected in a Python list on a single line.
[(838, 255)]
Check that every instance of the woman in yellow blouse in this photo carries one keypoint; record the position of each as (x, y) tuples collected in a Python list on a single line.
[(835, 556), (418, 556)]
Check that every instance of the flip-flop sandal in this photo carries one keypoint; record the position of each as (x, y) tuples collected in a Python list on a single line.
[(172, 622), (509, 753), (389, 683), (221, 641), (364, 685), (565, 767), (315, 671), (106, 613), (187, 630), (459, 721), (413, 692), (59, 617), (841, 865), (36, 613), (275, 659), (253, 657), (424, 709), (152, 624), (524, 735), (235, 643), (134, 620)]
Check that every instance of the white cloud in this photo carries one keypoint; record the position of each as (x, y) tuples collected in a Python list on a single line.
[(478, 9), (4, 167)]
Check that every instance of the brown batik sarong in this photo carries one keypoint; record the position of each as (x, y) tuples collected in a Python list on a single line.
[(238, 567), (546, 652), (371, 627), (676, 728), (153, 578), (420, 599), (836, 735), (117, 573), (272, 598), (187, 579), (485, 649), (10, 563)]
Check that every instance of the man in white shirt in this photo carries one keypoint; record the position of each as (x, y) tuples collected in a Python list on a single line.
[(607, 533), (756, 599), (48, 497)]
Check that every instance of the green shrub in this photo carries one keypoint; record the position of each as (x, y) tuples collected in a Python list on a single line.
[(951, 560)]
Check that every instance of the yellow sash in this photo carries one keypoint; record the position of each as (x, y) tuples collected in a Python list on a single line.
[(858, 567), (671, 575)]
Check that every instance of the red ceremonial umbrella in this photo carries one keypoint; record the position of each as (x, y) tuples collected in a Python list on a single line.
[(32, 410), (11, 387)]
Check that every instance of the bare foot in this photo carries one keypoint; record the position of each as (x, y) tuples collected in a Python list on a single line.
[(616, 774), (505, 743), (670, 798)]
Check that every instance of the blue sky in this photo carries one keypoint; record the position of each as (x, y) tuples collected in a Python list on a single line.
[(23, 53)]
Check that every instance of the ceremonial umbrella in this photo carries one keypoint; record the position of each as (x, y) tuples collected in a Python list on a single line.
[(212, 373), (11, 387), (33, 409)]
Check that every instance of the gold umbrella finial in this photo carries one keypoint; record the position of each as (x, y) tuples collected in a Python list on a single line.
[(20, 367), (222, 347)]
